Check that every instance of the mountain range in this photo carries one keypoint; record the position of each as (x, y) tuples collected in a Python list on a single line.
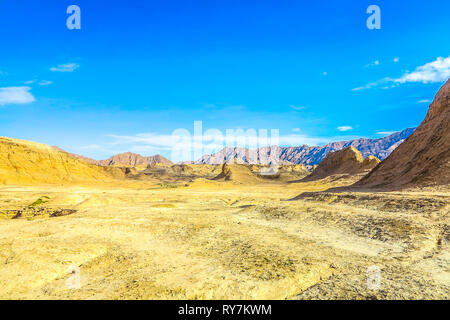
[(307, 155)]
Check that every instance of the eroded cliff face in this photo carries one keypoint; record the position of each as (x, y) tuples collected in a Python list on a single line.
[(424, 158)]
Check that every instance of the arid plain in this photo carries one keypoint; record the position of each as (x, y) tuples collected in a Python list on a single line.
[(224, 240), (70, 229)]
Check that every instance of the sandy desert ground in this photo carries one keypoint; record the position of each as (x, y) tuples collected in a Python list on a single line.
[(222, 240)]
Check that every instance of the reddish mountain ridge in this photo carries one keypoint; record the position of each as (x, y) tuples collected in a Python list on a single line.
[(124, 159), (307, 155), (134, 159)]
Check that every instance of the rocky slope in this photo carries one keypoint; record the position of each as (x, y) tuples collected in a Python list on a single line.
[(89, 160), (133, 159), (346, 161), (424, 158), (24, 162), (306, 155)]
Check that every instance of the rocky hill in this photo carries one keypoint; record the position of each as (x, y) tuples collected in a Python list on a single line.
[(424, 158), (306, 155), (134, 159), (25, 162), (346, 161), (123, 159), (238, 173)]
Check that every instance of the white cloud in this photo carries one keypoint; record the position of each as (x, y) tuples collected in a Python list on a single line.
[(396, 59), (296, 130), (30, 81), (67, 67), (367, 86), (432, 72), (325, 73), (345, 128), (15, 95), (436, 71), (424, 101), (297, 107), (45, 83), (300, 139), (373, 64), (386, 133)]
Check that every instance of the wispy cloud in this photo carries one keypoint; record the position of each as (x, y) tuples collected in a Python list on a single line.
[(367, 86), (297, 108), (373, 64), (325, 73), (66, 67), (396, 59), (345, 128), (432, 72), (15, 95), (45, 83), (385, 133), (296, 130), (424, 101)]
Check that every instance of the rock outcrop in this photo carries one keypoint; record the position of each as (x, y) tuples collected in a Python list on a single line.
[(238, 173), (348, 161), (370, 162)]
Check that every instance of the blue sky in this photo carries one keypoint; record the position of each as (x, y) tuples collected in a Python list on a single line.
[(138, 70)]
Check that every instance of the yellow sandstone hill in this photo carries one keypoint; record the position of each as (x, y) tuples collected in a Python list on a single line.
[(256, 174), (423, 160), (370, 162), (24, 162), (238, 173), (348, 161)]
